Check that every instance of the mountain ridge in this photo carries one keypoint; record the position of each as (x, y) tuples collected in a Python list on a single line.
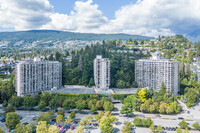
[(65, 35)]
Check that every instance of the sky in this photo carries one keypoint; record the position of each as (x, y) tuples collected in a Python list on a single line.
[(138, 17)]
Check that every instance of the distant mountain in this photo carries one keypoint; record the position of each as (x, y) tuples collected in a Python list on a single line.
[(194, 36), (45, 35)]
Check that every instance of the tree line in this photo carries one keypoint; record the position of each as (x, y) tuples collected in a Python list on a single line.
[(151, 101)]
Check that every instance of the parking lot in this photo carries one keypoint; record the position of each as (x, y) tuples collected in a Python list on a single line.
[(169, 121)]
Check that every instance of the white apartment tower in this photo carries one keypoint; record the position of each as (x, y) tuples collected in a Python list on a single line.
[(102, 72), (35, 76), (152, 72)]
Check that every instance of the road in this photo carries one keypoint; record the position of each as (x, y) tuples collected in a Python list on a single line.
[(164, 120)]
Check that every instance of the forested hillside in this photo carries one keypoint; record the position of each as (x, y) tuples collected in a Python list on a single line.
[(46, 35)]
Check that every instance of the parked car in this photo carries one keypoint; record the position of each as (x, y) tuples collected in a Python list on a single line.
[(72, 128), (142, 115), (95, 113), (53, 120), (115, 113), (58, 126), (180, 118), (157, 116), (1, 117), (95, 124), (25, 123), (34, 118), (3, 120), (20, 117)]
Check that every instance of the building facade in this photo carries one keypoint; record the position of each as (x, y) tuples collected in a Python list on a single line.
[(102, 72), (195, 68), (36, 76), (152, 72)]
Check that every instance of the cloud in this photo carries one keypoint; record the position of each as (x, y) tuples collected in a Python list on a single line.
[(25, 14), (85, 18), (158, 17), (145, 17)]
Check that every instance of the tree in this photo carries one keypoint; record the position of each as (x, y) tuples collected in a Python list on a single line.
[(126, 110), (8, 109), (183, 124), (58, 56), (175, 106), (127, 127), (46, 97), (44, 116), (159, 128), (84, 121), (1, 130), (80, 106), (73, 114), (137, 121), (54, 103), (156, 105), (42, 127), (148, 122), (51, 57), (80, 129), (93, 109), (69, 104), (178, 130), (198, 51), (106, 123), (5, 103), (37, 98), (152, 127), (59, 119), (91, 82), (121, 84), (90, 104), (68, 120), (109, 106), (12, 119), (169, 109), (16, 101), (129, 40), (53, 129), (98, 104), (186, 130), (142, 95), (29, 101), (42, 105), (143, 108), (99, 116), (163, 108), (196, 126), (61, 112), (152, 108), (142, 42), (162, 89), (135, 42), (21, 128)]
